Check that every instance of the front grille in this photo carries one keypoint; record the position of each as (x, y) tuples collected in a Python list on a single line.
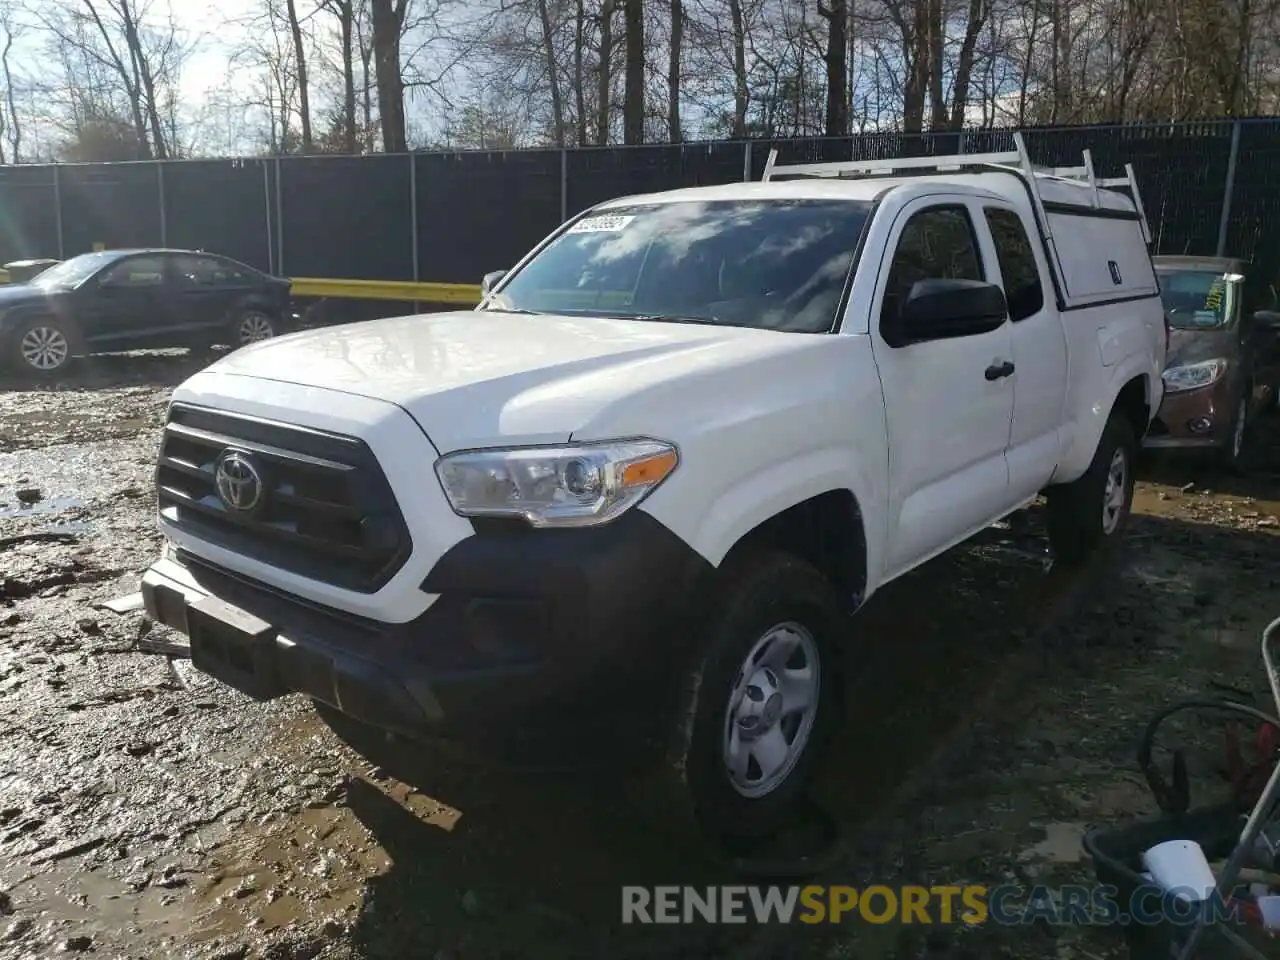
[(326, 511)]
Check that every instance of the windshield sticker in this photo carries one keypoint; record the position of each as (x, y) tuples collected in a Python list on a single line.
[(1214, 299), (1205, 318), (605, 224)]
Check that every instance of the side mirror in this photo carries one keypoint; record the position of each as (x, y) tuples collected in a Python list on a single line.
[(490, 280), (1267, 320), (944, 309)]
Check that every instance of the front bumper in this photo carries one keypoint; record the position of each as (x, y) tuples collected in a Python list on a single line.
[(530, 631), (1194, 420)]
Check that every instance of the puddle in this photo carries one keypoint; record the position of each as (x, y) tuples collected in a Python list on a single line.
[(41, 507), (1061, 844)]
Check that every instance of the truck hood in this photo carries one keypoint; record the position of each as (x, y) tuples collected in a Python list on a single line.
[(475, 379)]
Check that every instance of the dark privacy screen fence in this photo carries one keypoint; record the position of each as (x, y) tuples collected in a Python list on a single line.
[(452, 217)]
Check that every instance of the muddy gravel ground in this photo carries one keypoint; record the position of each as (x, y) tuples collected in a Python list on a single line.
[(147, 812)]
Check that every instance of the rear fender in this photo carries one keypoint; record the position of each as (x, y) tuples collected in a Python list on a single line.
[(1091, 417)]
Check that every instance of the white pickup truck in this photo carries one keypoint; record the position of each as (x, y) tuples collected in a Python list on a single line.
[(640, 489)]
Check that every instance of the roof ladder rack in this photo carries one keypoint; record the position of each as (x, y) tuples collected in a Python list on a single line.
[(1017, 160)]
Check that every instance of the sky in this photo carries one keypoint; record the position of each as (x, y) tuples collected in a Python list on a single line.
[(212, 24)]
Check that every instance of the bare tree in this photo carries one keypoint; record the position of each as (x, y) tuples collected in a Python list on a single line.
[(674, 132), (300, 65), (633, 95), (345, 12), (122, 47), (837, 17), (388, 28), (11, 121), (271, 54)]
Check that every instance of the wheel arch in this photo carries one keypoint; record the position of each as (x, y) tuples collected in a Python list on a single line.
[(255, 301), (826, 530), (1131, 395)]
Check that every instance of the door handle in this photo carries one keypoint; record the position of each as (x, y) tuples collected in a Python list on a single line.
[(998, 371)]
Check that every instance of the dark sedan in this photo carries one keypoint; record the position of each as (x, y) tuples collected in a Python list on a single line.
[(129, 299)]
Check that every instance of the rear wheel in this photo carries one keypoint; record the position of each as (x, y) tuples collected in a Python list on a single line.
[(1093, 511), (253, 326), (43, 347)]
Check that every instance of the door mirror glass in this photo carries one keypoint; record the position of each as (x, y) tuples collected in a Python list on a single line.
[(943, 309), (490, 280)]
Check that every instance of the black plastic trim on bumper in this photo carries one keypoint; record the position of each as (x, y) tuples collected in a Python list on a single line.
[(530, 628)]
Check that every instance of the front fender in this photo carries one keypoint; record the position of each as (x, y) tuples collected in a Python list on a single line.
[(764, 494)]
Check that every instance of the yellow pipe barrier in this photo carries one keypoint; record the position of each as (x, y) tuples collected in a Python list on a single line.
[(406, 290)]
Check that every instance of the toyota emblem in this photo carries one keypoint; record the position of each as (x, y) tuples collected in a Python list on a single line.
[(238, 482)]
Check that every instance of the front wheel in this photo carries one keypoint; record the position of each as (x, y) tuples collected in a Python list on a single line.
[(43, 347), (765, 697), (1094, 510), (253, 326)]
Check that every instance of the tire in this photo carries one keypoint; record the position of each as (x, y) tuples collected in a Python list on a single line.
[(1093, 511), (767, 603), (1234, 452), (43, 347), (252, 325)]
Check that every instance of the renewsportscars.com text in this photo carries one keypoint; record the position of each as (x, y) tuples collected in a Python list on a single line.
[(1069, 905)]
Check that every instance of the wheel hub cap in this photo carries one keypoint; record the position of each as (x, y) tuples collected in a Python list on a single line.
[(1114, 494), (44, 348), (254, 328), (771, 710), (761, 705)]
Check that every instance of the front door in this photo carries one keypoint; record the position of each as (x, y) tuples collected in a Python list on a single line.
[(126, 305), (948, 416)]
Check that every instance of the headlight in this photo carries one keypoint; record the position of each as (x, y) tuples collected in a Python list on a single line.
[(1194, 375), (572, 486)]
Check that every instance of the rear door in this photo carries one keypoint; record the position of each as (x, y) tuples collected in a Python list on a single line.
[(205, 290), (126, 305), (1039, 351)]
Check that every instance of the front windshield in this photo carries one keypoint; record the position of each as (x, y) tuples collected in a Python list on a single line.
[(75, 271), (1198, 299), (775, 264)]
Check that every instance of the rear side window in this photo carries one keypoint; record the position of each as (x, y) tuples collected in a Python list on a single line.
[(191, 270), (1022, 285)]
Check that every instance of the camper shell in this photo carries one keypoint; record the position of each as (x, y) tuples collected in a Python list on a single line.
[(1092, 215)]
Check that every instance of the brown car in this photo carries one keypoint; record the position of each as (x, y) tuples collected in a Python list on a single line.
[(1223, 366)]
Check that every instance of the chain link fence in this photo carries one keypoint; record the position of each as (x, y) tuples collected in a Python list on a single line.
[(451, 217)]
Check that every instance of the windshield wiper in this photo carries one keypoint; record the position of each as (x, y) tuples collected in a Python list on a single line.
[(668, 318), (519, 310)]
